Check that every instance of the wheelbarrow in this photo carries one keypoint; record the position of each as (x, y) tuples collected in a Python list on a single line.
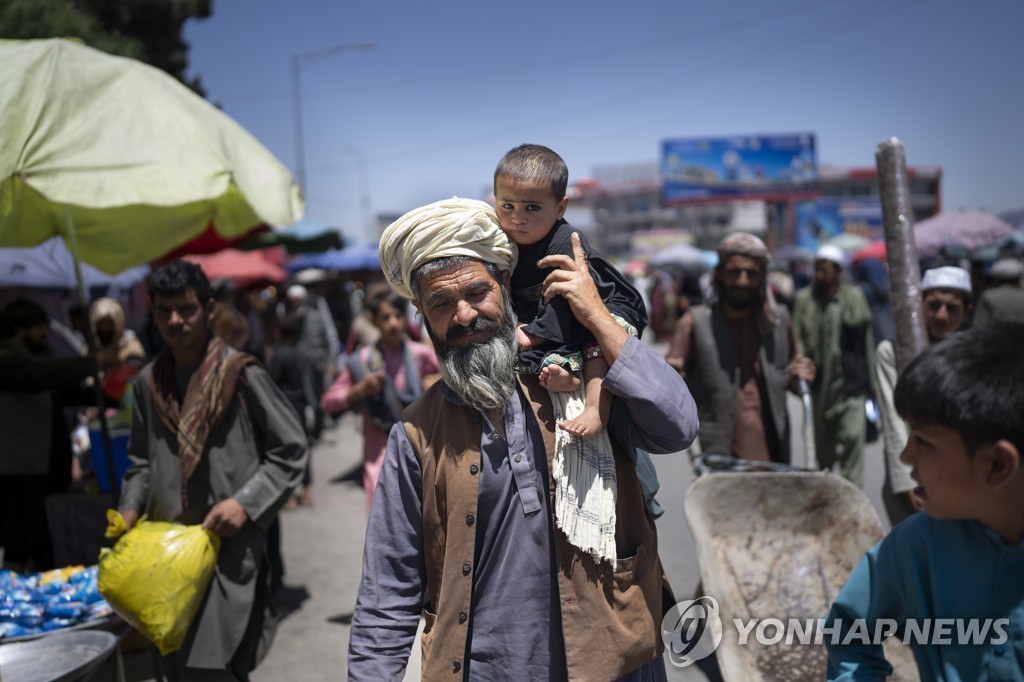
[(775, 542)]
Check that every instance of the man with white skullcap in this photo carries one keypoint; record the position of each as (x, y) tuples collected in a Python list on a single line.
[(945, 306), (462, 526), (832, 320), (318, 339), (740, 332)]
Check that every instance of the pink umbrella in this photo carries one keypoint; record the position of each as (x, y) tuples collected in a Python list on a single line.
[(968, 229), (244, 268)]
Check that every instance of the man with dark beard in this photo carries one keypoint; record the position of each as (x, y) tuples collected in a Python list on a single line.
[(832, 320), (738, 356), (462, 528)]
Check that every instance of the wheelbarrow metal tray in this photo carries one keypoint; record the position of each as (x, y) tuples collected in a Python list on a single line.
[(59, 658), (780, 545)]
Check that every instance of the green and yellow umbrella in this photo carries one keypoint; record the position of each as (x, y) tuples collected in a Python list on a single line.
[(123, 159)]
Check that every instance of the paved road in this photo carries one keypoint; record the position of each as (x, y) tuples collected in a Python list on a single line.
[(323, 546)]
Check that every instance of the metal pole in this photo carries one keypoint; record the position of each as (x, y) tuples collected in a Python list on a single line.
[(83, 300), (300, 150), (296, 78), (364, 189), (365, 199), (901, 251)]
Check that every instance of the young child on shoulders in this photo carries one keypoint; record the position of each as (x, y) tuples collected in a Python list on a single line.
[(963, 400), (530, 185)]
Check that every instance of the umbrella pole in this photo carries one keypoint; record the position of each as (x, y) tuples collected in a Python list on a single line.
[(83, 300)]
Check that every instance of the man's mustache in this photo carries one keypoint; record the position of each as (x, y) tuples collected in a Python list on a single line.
[(479, 324)]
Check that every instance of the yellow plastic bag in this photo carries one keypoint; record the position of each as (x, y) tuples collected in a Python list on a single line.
[(156, 575)]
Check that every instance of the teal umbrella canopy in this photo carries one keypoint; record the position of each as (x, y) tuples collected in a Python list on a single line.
[(309, 235)]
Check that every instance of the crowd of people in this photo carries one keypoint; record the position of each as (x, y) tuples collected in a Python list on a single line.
[(508, 431)]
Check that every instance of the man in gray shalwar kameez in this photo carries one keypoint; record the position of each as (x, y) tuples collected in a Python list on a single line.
[(462, 524), (213, 442)]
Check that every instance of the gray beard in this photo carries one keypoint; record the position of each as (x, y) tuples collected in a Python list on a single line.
[(483, 374)]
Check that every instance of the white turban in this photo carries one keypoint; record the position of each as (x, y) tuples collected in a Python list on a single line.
[(451, 227)]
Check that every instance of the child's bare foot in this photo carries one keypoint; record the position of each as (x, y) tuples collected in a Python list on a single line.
[(558, 379), (588, 423)]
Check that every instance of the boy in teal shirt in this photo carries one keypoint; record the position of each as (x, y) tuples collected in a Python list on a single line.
[(963, 559)]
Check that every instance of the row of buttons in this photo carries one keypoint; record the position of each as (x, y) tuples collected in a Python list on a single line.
[(467, 567)]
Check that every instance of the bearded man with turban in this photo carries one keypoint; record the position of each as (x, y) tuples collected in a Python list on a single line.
[(463, 526), (738, 356)]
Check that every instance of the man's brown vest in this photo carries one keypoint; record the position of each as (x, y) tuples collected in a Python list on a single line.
[(610, 621), (714, 379)]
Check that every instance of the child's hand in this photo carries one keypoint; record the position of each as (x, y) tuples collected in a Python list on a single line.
[(371, 385), (522, 338)]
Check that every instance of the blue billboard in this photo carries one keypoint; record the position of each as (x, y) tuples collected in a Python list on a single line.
[(770, 167), (827, 217)]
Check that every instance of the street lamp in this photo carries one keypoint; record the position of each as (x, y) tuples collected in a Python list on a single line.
[(364, 187), (298, 59)]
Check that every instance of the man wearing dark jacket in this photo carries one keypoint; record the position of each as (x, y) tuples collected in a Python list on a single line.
[(738, 356)]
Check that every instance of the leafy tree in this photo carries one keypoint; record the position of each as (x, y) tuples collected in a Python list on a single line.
[(148, 30)]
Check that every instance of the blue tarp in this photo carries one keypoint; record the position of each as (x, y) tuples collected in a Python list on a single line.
[(354, 258), (50, 266)]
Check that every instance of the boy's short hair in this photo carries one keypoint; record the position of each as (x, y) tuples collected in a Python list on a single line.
[(535, 162), (378, 298), (971, 382), (177, 277)]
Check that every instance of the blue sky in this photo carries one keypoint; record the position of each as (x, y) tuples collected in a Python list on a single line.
[(450, 86)]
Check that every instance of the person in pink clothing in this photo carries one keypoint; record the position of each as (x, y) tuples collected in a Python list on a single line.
[(381, 380)]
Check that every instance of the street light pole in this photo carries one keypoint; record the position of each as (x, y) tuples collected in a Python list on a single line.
[(300, 152), (364, 188), (297, 60)]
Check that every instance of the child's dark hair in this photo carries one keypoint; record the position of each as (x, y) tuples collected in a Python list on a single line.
[(289, 326), (177, 277), (535, 162), (971, 382), (379, 298)]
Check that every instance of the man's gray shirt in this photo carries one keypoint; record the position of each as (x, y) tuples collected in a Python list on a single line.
[(515, 622)]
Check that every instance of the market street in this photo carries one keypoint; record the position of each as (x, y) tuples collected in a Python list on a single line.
[(323, 545)]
